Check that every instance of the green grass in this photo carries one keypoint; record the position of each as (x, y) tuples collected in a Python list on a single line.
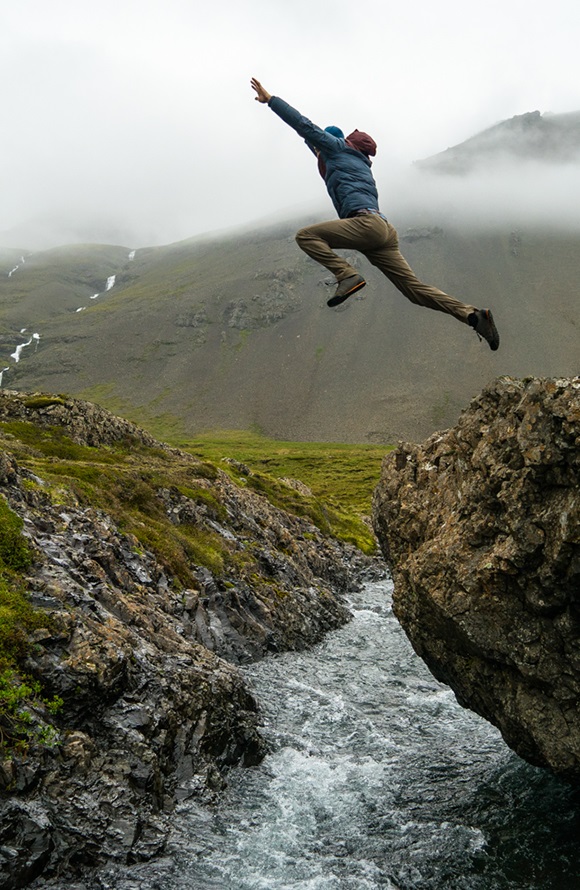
[(14, 551), (124, 480), (17, 617), (341, 477), (344, 475)]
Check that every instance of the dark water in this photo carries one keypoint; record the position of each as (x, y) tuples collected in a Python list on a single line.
[(377, 779)]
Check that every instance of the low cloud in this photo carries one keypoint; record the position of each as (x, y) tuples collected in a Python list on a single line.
[(509, 193)]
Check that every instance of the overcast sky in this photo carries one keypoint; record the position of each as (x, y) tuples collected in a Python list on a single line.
[(133, 121)]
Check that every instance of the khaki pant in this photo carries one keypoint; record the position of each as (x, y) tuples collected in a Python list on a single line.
[(377, 239)]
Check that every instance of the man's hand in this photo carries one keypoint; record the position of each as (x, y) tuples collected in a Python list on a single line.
[(262, 96)]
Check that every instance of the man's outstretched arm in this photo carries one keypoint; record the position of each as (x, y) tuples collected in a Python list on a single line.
[(316, 139)]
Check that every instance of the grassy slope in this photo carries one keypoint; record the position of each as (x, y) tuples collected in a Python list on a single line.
[(123, 481), (342, 474)]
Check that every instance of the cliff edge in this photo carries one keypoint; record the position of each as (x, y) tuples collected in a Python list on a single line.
[(481, 527)]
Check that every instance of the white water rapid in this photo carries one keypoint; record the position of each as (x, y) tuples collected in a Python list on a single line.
[(377, 780)]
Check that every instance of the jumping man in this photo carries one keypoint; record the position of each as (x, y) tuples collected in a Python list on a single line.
[(345, 164)]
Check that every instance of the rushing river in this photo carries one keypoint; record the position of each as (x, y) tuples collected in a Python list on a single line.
[(377, 779)]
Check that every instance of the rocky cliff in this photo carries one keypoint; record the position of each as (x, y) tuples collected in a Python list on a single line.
[(143, 658), (481, 525)]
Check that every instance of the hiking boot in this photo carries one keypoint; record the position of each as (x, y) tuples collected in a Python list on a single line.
[(345, 289), (482, 323)]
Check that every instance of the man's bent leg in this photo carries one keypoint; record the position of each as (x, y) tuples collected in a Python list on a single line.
[(392, 263), (319, 240)]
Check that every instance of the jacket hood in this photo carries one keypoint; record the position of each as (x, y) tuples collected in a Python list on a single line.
[(362, 142)]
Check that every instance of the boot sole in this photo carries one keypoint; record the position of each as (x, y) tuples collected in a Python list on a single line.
[(494, 344), (336, 301)]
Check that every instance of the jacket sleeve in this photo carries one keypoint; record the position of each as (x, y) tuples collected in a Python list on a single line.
[(315, 137)]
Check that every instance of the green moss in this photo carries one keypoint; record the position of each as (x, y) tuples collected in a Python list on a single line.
[(38, 402), (205, 548), (51, 441), (138, 495), (131, 497), (125, 480), (18, 694), (17, 616), (14, 550), (206, 498), (287, 498)]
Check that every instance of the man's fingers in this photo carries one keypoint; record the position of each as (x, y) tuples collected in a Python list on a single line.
[(262, 95)]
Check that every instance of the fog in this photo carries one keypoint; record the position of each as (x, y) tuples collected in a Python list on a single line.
[(134, 123), (511, 194)]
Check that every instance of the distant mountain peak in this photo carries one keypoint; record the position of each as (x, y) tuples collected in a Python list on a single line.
[(547, 138)]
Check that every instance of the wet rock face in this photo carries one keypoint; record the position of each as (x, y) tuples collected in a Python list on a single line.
[(149, 716), (481, 526)]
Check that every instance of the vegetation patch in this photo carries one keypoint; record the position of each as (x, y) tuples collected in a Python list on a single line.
[(38, 402), (17, 619), (341, 477), (125, 480), (51, 441), (26, 715), (20, 696), (15, 553)]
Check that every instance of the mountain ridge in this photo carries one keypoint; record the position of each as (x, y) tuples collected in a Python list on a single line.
[(548, 138)]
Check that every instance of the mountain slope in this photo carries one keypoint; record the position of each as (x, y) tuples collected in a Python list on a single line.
[(235, 334), (549, 138)]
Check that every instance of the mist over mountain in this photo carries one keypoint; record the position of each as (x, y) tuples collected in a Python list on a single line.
[(521, 171), (524, 171), (546, 138), (233, 331)]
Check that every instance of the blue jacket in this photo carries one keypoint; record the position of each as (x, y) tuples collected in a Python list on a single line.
[(348, 176)]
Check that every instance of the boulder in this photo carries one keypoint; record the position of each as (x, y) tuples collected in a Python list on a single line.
[(481, 527)]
